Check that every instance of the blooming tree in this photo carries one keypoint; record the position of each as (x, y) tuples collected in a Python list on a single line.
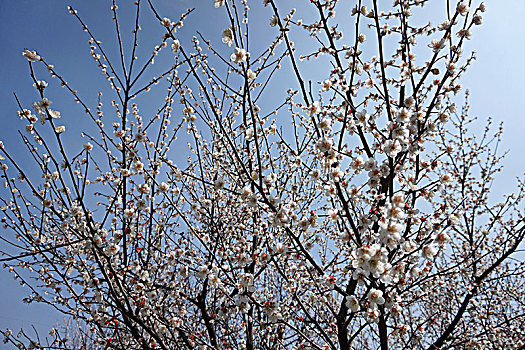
[(350, 210)]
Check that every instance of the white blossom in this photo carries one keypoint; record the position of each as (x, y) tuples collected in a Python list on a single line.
[(239, 56), (31, 56)]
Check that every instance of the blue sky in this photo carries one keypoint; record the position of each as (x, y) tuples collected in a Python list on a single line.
[(496, 81)]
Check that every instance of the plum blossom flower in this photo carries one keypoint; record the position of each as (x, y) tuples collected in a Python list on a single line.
[(372, 315), (175, 46), (42, 105), (138, 166), (325, 144), (54, 114), (315, 174), (482, 7), (446, 178), (219, 3), (252, 200), (252, 75), (360, 275), (463, 7), (437, 44), (313, 109), (246, 282), (143, 188), (333, 214), (60, 129), (280, 248), (429, 251), (227, 36), (142, 204), (444, 25), (443, 117), (239, 56), (166, 22), (352, 303), (325, 124), (219, 183), (40, 85), (336, 173), (376, 296), (392, 148), (370, 164), (24, 113), (202, 271), (141, 137), (403, 115), (31, 56), (357, 164), (273, 21), (112, 249), (477, 19), (326, 84), (465, 33), (163, 187), (215, 281), (442, 237), (362, 117)]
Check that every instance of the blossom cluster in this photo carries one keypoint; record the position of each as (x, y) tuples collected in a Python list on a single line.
[(351, 211)]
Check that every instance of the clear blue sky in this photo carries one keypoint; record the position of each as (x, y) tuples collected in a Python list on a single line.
[(496, 81)]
